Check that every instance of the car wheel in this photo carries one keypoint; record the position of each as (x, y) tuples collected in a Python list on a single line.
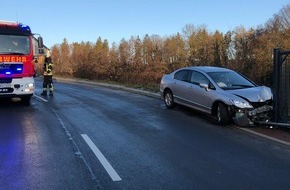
[(168, 99), (221, 114)]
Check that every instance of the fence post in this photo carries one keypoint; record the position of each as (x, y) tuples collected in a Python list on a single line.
[(276, 82)]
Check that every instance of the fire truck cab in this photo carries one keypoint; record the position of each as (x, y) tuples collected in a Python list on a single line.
[(18, 48)]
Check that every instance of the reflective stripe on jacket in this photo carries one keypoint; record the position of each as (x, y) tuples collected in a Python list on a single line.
[(48, 66)]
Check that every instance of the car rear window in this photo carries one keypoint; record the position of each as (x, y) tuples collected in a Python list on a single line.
[(182, 75)]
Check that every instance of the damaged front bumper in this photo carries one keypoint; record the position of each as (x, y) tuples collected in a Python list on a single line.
[(244, 117)]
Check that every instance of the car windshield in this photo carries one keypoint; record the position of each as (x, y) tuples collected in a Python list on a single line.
[(230, 80), (14, 45)]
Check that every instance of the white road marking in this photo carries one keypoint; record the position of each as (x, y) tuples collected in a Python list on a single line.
[(40, 98), (108, 167)]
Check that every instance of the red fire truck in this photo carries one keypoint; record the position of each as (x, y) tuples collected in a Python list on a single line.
[(18, 50)]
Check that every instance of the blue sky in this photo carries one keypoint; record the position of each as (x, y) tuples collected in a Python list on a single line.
[(86, 20)]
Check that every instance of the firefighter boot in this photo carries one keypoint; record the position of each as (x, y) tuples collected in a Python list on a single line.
[(50, 93)]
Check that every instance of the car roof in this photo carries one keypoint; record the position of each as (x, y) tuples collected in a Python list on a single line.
[(208, 69)]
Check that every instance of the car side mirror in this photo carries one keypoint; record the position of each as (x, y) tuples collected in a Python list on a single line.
[(40, 42), (205, 86)]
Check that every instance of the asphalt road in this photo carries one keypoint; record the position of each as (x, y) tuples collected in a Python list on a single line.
[(92, 137)]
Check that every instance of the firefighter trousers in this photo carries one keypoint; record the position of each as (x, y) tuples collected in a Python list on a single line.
[(47, 81)]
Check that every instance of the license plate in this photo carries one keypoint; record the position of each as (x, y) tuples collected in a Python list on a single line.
[(5, 85), (6, 90), (262, 109)]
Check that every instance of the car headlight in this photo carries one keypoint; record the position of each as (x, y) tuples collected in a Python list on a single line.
[(240, 104), (29, 85)]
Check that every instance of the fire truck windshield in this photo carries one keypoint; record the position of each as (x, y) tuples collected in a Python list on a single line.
[(14, 45)]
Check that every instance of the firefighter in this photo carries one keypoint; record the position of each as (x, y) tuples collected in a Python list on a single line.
[(47, 75)]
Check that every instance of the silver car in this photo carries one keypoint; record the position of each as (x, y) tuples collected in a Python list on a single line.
[(223, 93)]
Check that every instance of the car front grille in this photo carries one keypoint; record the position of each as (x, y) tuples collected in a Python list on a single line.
[(260, 104)]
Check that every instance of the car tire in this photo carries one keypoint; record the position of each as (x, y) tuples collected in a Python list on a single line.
[(168, 99), (222, 114)]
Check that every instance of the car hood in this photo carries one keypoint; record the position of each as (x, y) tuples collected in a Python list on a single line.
[(255, 94)]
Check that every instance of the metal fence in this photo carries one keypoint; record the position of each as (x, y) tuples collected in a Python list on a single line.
[(281, 86)]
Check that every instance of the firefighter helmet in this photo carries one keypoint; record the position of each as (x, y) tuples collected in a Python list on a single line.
[(47, 53)]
